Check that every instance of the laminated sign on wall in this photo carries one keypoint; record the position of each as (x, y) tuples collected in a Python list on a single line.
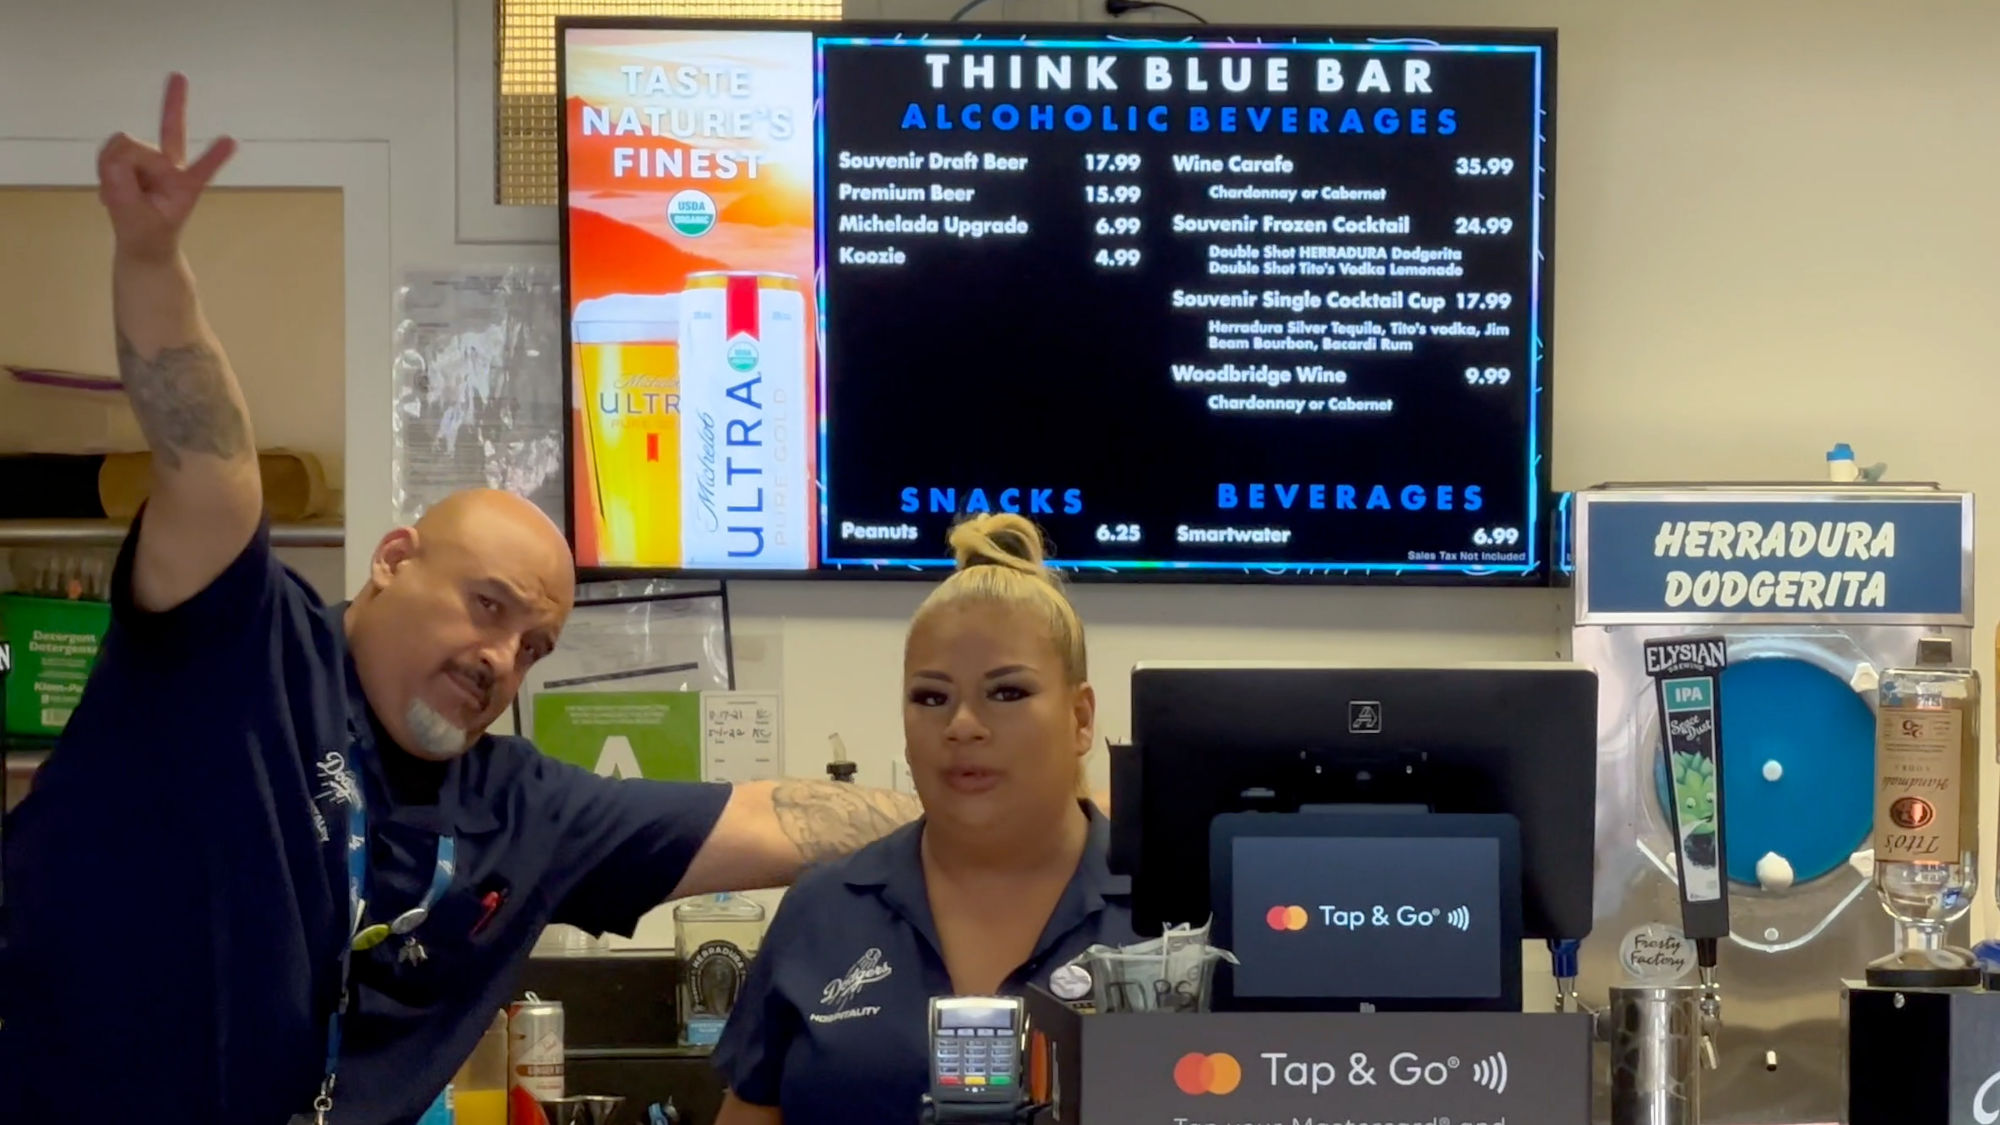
[(478, 386), (662, 735), (649, 734)]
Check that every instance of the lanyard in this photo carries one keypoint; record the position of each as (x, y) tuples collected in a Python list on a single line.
[(363, 938)]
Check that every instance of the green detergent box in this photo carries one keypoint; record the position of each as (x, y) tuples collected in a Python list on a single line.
[(54, 643)]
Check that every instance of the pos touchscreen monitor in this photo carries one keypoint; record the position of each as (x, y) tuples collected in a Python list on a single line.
[(1392, 911), (1518, 740)]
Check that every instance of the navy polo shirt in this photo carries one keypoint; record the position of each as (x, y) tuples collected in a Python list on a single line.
[(832, 1023), (177, 887)]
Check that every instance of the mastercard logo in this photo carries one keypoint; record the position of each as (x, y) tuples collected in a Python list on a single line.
[(1283, 918), (1207, 1074)]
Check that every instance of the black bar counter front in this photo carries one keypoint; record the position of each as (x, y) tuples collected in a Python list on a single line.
[(1467, 1068), (1920, 1055)]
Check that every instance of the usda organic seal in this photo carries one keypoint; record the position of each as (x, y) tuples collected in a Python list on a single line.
[(691, 213), (1656, 955)]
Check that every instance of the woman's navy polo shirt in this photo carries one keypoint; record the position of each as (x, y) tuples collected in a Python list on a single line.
[(832, 1024), (177, 891)]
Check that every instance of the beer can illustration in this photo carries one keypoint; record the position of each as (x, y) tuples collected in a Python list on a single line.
[(746, 406), (534, 1057), (627, 391)]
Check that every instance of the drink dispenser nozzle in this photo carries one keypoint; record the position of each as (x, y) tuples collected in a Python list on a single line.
[(1562, 966), (1711, 1001), (839, 766), (1687, 679)]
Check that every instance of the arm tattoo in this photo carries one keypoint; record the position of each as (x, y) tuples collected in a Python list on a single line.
[(828, 819), (182, 400)]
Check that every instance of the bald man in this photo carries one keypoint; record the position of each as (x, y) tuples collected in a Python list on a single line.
[(276, 868)]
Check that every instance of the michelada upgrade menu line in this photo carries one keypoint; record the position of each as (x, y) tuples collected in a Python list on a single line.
[(1193, 306)]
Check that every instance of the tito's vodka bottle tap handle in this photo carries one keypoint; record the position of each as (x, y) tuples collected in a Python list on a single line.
[(1927, 816)]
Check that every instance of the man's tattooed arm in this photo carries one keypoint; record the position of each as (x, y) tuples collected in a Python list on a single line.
[(205, 497), (828, 819), (186, 402), (772, 830)]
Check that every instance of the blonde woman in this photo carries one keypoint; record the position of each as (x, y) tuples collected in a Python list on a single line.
[(1001, 881)]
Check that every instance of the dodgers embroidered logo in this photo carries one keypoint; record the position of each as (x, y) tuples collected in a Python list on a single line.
[(336, 784), (841, 990)]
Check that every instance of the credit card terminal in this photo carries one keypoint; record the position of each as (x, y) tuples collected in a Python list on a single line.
[(975, 1058)]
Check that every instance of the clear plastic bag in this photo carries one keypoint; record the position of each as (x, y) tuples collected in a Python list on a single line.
[(637, 635), (477, 386)]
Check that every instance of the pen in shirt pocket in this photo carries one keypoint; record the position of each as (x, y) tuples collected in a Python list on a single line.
[(489, 906)]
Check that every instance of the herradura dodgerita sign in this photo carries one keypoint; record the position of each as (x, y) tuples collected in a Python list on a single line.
[(1892, 555)]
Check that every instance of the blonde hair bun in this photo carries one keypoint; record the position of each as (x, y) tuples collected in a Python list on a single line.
[(1000, 539), (1002, 559)]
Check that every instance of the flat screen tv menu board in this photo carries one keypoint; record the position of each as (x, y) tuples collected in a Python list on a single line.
[(1237, 304)]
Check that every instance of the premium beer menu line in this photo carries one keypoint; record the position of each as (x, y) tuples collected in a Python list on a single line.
[(1225, 305)]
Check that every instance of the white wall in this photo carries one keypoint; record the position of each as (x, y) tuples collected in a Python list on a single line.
[(1776, 230)]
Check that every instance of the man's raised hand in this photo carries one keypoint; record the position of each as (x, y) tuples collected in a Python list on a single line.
[(150, 191)]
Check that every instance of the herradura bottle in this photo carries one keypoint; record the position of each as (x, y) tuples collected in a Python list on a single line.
[(717, 937)]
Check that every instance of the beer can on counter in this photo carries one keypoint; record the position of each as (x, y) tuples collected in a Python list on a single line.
[(534, 1057), (747, 500), (625, 394)]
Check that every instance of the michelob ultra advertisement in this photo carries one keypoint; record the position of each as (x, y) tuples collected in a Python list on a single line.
[(691, 251)]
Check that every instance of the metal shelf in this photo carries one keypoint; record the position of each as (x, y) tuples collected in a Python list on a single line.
[(28, 760), (109, 533), (20, 756), (24, 743)]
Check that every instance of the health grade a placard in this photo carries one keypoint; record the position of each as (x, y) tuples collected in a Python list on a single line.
[(651, 734)]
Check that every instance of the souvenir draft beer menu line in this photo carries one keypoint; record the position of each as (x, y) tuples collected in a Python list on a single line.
[(1233, 305)]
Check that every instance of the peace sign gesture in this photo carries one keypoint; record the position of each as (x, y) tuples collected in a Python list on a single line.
[(150, 192)]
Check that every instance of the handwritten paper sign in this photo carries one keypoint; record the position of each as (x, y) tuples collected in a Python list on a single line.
[(740, 736)]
